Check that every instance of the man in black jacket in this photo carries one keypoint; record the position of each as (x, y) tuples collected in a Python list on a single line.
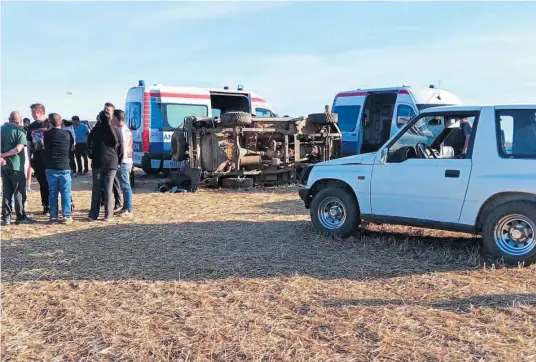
[(36, 151)]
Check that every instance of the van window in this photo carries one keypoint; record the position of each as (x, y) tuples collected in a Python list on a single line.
[(347, 117), (133, 115), (262, 112), (403, 114), (173, 114), (215, 113), (516, 133)]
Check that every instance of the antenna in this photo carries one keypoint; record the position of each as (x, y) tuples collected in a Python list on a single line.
[(439, 89)]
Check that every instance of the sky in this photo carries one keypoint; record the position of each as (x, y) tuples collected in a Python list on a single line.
[(296, 55)]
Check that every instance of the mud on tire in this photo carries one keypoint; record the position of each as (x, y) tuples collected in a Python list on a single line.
[(237, 183), (232, 119), (323, 118)]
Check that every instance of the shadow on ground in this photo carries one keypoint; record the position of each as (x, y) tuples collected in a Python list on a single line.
[(214, 250), (495, 301)]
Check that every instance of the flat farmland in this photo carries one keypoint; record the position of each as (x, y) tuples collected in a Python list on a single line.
[(242, 276)]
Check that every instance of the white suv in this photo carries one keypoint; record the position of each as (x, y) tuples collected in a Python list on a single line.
[(459, 168)]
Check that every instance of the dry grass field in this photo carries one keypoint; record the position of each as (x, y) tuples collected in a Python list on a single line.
[(242, 276)]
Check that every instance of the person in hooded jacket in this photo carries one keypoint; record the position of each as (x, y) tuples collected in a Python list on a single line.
[(105, 144)]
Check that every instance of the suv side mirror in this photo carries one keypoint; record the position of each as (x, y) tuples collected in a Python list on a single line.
[(383, 155)]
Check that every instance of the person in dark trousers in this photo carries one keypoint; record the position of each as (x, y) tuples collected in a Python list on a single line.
[(81, 131), (106, 154), (36, 150), (59, 144), (13, 140)]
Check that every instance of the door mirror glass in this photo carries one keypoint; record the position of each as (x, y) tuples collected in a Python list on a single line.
[(383, 155)]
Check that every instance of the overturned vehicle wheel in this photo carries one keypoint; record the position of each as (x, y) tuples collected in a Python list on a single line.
[(323, 118), (178, 145), (232, 119), (237, 183)]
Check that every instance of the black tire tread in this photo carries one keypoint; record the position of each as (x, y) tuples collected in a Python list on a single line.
[(525, 208), (352, 219), (237, 183), (178, 145), (232, 119), (323, 118)]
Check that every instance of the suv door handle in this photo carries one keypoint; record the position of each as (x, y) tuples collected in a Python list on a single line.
[(452, 173)]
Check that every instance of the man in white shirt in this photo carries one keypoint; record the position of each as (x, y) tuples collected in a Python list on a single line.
[(125, 167)]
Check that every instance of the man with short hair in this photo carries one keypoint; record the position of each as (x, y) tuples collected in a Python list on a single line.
[(58, 145), (125, 167), (81, 132), (327, 111), (36, 150), (13, 139)]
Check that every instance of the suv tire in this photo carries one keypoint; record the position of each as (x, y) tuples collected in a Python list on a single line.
[(334, 212), (232, 119), (509, 232), (323, 118)]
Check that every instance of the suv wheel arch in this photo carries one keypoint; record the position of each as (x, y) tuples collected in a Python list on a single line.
[(498, 199), (320, 184)]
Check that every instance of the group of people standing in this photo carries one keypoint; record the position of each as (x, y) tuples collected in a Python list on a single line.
[(51, 144)]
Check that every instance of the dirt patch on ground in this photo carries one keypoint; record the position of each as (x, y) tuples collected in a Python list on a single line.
[(241, 276)]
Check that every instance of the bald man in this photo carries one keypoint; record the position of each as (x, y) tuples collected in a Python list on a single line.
[(13, 140)]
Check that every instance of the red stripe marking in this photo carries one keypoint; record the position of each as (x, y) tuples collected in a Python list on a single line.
[(145, 138), (351, 94), (403, 91), (179, 95), (258, 100)]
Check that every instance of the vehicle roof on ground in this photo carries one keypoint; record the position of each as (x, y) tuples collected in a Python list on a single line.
[(472, 108), (421, 95)]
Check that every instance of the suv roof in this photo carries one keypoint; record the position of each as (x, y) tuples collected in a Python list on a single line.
[(469, 108)]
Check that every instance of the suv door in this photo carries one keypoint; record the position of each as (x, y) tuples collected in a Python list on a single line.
[(431, 189)]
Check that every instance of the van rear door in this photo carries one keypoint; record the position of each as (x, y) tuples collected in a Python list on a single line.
[(349, 107)]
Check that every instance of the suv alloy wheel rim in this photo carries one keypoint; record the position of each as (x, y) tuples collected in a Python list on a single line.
[(332, 213), (514, 235)]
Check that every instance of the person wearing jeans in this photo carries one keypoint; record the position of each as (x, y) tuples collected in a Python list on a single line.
[(58, 146), (104, 141), (126, 163)]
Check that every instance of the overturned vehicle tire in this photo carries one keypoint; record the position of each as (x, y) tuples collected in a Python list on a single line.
[(232, 119), (178, 145), (237, 183), (323, 118)]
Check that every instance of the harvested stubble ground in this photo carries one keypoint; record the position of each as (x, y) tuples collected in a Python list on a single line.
[(241, 276)]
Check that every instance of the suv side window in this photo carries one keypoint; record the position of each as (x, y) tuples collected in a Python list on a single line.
[(403, 114), (516, 133)]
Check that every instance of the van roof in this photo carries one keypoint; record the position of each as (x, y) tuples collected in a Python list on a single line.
[(420, 95), (255, 98)]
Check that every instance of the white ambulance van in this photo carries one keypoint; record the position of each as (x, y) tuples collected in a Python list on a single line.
[(370, 117), (154, 112)]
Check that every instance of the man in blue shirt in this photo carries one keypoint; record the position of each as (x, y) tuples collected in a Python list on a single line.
[(81, 132)]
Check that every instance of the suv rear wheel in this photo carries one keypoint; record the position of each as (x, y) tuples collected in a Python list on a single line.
[(334, 212), (509, 232)]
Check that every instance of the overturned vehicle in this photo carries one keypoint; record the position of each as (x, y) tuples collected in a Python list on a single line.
[(238, 150)]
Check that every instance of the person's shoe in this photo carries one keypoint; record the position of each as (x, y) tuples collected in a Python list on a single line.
[(108, 219), (68, 220), (53, 221), (22, 220), (89, 218), (46, 210), (118, 209), (6, 222), (85, 172), (125, 213)]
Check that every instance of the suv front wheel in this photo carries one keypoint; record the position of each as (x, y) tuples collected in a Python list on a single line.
[(509, 232), (334, 212)]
